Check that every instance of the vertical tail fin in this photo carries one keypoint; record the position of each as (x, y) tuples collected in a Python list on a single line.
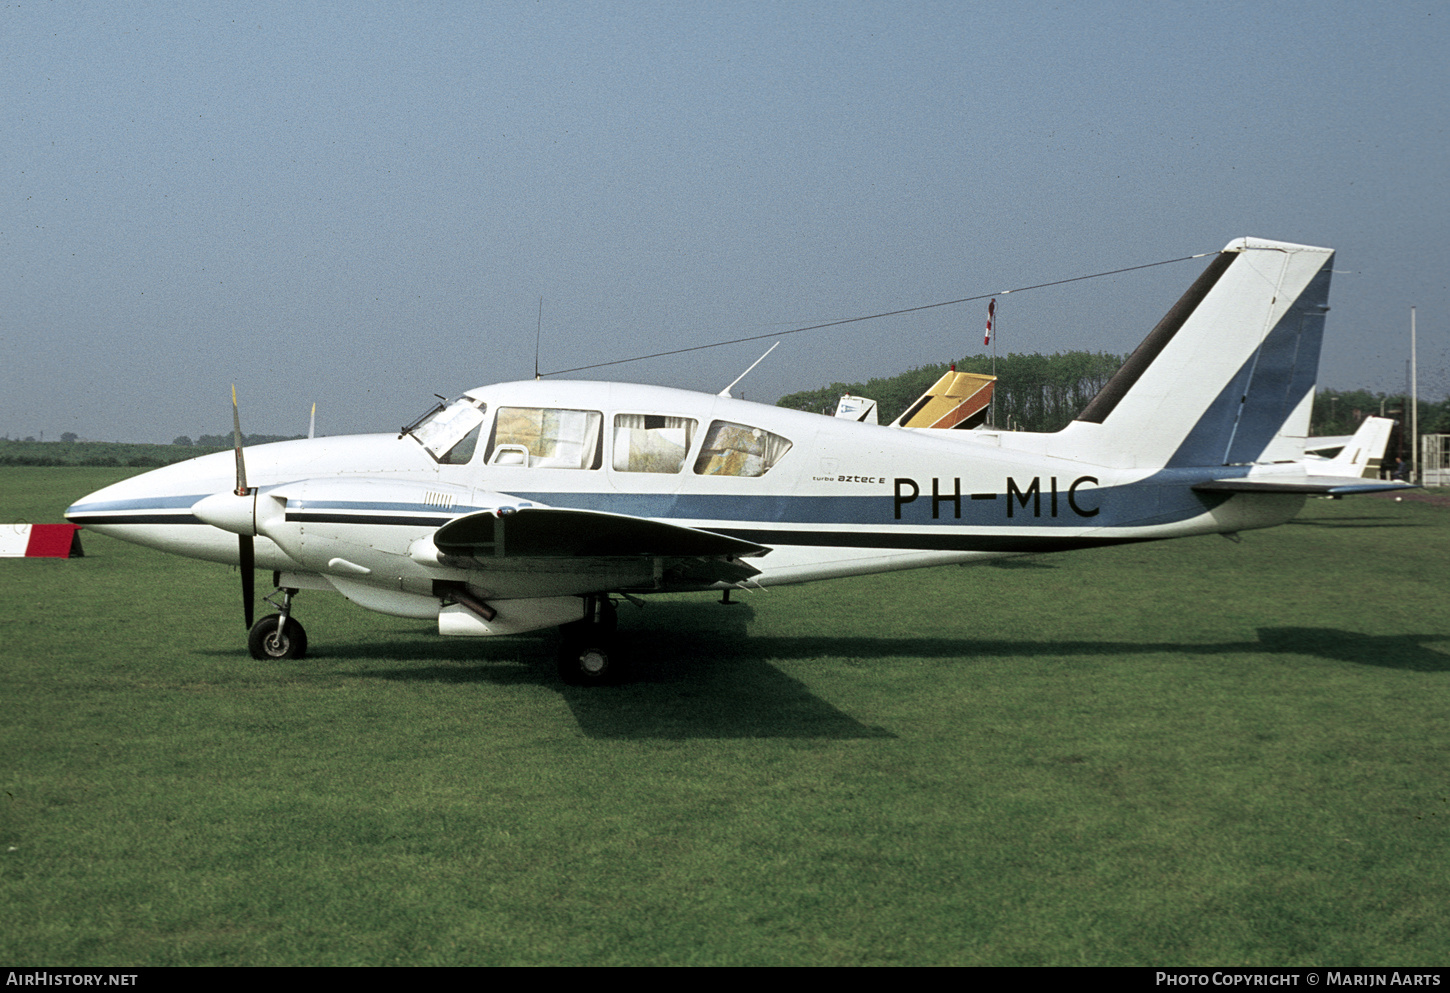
[(1227, 377), (1363, 454)]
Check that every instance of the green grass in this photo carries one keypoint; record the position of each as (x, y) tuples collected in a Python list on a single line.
[(1192, 752)]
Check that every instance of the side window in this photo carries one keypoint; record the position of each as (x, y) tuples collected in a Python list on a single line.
[(651, 443), (546, 437), (739, 450)]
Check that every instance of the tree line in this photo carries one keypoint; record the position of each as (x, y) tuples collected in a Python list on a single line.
[(70, 451), (1045, 392), (1341, 411), (227, 441), (1033, 392)]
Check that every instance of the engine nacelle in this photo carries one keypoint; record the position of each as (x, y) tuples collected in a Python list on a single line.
[(512, 617)]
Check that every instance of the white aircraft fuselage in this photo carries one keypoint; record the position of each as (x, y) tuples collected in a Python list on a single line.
[(847, 498)]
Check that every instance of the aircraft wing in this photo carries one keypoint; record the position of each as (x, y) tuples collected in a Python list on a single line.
[(1332, 485), (548, 532)]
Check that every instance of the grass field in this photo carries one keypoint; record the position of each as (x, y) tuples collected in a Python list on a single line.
[(1194, 752)]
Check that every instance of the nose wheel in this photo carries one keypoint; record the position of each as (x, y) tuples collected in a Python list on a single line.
[(278, 636)]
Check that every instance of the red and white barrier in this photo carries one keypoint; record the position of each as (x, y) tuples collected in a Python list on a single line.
[(48, 541)]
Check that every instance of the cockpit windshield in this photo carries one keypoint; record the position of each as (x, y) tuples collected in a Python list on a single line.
[(449, 432)]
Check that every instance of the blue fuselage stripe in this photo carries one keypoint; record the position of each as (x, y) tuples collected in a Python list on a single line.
[(933, 504)]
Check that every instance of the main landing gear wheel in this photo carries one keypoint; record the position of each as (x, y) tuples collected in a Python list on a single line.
[(589, 662), (267, 643), (588, 654)]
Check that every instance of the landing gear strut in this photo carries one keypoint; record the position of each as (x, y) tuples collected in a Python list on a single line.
[(588, 653), (278, 636)]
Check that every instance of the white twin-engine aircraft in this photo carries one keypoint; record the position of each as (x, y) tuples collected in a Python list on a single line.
[(527, 505)]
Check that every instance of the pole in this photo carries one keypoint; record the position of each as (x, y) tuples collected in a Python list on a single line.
[(992, 411), (1414, 406)]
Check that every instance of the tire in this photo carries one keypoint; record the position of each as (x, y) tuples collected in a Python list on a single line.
[(590, 661), (266, 646)]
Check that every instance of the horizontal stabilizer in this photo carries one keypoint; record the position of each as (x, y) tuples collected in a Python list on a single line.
[(1330, 443), (546, 532), (1334, 485)]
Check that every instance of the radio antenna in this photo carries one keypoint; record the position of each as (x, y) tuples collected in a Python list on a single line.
[(726, 391), (537, 335)]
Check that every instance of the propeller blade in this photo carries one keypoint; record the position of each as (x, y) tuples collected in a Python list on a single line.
[(237, 436), (246, 550), (248, 561)]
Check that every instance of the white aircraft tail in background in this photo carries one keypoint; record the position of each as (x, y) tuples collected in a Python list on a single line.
[(1362, 454), (854, 408)]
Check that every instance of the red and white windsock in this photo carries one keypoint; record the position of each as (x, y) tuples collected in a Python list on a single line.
[(991, 317)]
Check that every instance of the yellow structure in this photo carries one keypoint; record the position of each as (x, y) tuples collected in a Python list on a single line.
[(957, 400)]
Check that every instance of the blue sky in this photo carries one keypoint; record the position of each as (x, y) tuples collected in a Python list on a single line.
[(361, 204)]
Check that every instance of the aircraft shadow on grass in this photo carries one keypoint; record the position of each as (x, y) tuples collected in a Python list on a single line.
[(1365, 521), (695, 676), (1400, 651), (700, 674)]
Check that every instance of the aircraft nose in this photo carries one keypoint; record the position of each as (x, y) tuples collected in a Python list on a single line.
[(87, 506), (160, 496), (118, 498)]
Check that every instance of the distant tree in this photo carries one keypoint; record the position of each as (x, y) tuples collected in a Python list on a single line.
[(183, 440), (30, 438), (227, 441), (70, 437)]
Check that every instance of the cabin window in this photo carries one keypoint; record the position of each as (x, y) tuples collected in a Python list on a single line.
[(449, 432), (546, 437), (652, 442), (739, 450)]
